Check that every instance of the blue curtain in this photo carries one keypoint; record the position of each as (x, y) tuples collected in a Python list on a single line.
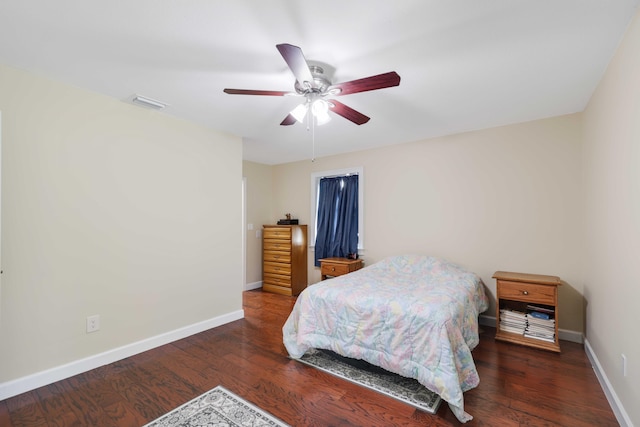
[(337, 234)]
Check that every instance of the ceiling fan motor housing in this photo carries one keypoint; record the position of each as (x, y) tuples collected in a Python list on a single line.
[(319, 85)]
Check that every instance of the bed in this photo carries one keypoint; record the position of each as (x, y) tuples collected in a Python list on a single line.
[(413, 315)]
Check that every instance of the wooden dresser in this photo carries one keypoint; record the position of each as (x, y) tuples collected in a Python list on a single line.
[(284, 259)]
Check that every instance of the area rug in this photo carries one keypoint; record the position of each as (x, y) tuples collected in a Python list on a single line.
[(367, 375), (217, 407)]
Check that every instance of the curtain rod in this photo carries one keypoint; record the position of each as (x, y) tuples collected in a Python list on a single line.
[(342, 174)]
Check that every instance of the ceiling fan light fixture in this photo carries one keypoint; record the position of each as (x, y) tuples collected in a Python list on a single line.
[(300, 112), (320, 110), (322, 118), (319, 106)]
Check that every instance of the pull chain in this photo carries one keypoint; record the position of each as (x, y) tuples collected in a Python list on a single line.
[(312, 126), (313, 140)]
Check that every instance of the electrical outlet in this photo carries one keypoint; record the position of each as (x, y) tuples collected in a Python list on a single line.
[(624, 365), (93, 323)]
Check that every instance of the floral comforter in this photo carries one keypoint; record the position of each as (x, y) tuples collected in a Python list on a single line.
[(413, 315)]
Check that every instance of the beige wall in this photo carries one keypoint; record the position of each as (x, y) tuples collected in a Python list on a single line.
[(612, 226), (259, 198), (506, 198), (109, 209)]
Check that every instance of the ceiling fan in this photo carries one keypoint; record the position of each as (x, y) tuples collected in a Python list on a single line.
[(316, 88)]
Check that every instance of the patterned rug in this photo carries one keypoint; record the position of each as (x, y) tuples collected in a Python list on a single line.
[(367, 375), (217, 407)]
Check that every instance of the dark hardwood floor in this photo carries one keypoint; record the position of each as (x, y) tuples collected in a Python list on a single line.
[(519, 386)]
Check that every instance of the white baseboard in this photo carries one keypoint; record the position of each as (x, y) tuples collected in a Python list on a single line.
[(39, 379), (572, 336), (254, 285), (610, 393), (563, 334)]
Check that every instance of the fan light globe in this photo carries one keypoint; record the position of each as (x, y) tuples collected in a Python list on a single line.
[(319, 106), (320, 110), (299, 112)]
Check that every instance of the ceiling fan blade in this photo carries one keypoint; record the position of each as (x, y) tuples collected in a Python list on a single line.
[(368, 83), (288, 121), (294, 58), (347, 112), (256, 92)]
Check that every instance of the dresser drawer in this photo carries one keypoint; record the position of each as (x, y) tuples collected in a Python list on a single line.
[(277, 233), (276, 280), (276, 245), (527, 292), (274, 256), (277, 268)]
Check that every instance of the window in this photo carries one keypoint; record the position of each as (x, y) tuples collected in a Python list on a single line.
[(315, 201)]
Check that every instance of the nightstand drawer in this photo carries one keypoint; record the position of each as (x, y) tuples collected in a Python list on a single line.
[(527, 292), (338, 266), (334, 269)]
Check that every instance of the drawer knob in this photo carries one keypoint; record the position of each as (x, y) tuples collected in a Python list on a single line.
[(525, 292), (333, 269)]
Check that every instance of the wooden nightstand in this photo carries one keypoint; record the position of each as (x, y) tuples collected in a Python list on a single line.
[(522, 294), (338, 266)]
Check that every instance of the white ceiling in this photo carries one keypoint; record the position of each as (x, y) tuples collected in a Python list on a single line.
[(464, 64)]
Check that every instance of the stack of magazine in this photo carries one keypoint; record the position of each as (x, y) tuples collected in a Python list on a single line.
[(541, 324), (513, 321)]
